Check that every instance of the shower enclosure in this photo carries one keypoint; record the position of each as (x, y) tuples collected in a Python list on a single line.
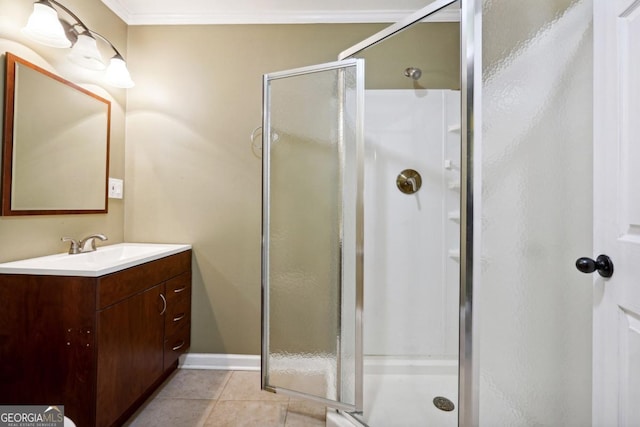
[(367, 232)]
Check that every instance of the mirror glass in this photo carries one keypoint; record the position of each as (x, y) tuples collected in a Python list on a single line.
[(56, 144)]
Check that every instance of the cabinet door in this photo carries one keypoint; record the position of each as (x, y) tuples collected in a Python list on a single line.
[(130, 351)]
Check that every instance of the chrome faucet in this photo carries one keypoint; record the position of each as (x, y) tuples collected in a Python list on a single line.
[(88, 244)]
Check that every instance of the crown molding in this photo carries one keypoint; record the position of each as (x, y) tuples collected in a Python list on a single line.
[(272, 17), (119, 9)]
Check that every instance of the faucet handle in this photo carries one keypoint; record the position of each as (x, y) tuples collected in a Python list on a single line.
[(75, 246), (88, 244)]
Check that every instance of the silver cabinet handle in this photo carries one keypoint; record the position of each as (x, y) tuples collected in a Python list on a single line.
[(164, 302), (179, 346), (179, 317), (177, 291)]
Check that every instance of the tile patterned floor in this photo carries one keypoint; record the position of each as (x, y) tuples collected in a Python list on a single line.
[(207, 398)]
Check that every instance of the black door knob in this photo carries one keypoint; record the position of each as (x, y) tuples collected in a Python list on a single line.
[(602, 264)]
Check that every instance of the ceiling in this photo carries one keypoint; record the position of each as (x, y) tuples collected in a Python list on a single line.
[(171, 12)]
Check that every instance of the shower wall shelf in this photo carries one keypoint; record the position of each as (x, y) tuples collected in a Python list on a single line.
[(454, 128), (452, 174), (451, 165)]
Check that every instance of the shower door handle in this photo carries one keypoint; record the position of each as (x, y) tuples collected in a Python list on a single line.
[(603, 265)]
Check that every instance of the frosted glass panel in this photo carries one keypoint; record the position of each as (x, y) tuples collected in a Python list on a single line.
[(534, 307), (312, 186)]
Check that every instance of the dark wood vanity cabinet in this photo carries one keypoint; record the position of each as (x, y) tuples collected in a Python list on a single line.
[(100, 345)]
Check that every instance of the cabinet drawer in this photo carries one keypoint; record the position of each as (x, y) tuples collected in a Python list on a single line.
[(178, 286), (123, 284), (177, 344), (178, 313)]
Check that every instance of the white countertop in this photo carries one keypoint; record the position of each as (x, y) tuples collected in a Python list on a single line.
[(106, 259)]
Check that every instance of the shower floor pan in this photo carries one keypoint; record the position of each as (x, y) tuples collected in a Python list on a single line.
[(400, 392)]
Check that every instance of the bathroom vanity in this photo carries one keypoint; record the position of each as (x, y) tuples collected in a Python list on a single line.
[(96, 339)]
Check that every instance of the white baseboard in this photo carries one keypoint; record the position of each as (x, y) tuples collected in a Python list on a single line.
[(224, 362), (372, 364)]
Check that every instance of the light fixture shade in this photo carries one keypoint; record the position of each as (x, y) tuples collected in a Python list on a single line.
[(44, 26), (85, 53), (117, 74)]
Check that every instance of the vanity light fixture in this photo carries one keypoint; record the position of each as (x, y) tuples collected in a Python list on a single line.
[(46, 27)]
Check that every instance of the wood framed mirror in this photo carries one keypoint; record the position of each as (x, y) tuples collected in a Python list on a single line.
[(55, 156)]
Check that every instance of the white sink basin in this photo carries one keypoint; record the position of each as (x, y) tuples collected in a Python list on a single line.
[(105, 260)]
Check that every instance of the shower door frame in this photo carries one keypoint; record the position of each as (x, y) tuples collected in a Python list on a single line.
[(470, 185), (358, 230)]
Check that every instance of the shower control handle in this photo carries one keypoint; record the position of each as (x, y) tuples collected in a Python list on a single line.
[(603, 265), (409, 181)]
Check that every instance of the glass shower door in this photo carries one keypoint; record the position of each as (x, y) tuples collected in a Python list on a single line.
[(312, 233)]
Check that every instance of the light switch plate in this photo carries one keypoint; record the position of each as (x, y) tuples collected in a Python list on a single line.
[(115, 188)]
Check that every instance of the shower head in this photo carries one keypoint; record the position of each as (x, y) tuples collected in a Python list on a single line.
[(413, 72)]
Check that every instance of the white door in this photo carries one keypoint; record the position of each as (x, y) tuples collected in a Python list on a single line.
[(616, 321)]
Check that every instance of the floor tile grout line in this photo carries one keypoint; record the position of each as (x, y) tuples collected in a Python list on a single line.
[(225, 383), (210, 412)]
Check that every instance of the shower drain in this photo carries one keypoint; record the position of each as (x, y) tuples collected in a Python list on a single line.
[(443, 403)]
